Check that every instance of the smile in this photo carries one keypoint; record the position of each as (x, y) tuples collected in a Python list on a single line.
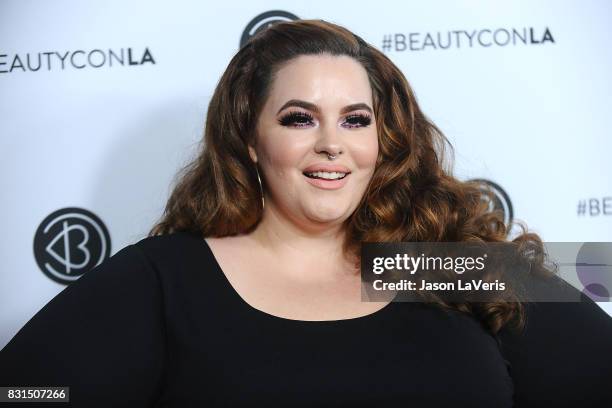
[(326, 175), (326, 180)]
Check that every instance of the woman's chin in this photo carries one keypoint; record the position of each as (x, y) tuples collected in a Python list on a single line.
[(327, 217)]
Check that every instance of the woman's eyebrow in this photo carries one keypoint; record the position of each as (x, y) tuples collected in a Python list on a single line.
[(312, 107)]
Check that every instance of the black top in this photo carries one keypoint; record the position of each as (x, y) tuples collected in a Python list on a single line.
[(159, 325)]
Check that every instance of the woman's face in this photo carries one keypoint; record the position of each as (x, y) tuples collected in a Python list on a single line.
[(317, 105)]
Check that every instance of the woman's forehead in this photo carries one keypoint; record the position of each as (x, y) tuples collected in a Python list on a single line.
[(329, 82)]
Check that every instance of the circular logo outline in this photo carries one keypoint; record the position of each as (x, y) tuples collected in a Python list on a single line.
[(502, 201), (268, 17), (43, 244)]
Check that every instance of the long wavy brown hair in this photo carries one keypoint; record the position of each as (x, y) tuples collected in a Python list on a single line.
[(412, 195)]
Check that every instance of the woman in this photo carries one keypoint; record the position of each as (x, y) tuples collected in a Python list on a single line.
[(246, 293)]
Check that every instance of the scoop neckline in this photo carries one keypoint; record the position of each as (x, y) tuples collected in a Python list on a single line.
[(247, 306)]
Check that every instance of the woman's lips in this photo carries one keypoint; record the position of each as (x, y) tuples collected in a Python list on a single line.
[(328, 184)]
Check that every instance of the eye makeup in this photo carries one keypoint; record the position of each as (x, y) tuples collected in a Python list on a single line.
[(295, 117), (299, 119), (358, 120)]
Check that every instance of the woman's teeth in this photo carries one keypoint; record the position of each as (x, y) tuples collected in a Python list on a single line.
[(326, 175)]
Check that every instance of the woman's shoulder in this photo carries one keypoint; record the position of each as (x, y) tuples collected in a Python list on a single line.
[(564, 351), (180, 259), (169, 241), (173, 249)]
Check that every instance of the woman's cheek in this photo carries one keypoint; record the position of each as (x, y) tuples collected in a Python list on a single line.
[(365, 154)]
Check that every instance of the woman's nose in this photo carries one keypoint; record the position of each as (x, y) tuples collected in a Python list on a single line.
[(329, 138)]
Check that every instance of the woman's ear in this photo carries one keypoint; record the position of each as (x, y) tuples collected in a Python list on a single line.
[(253, 154)]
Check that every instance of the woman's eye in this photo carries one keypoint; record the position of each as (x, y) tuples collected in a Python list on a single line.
[(358, 120), (296, 119), (302, 119)]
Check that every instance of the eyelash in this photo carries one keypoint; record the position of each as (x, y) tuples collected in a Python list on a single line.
[(291, 117)]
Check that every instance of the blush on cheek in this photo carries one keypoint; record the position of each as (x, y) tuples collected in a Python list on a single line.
[(366, 156)]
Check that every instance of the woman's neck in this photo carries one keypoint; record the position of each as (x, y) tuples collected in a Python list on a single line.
[(308, 247)]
